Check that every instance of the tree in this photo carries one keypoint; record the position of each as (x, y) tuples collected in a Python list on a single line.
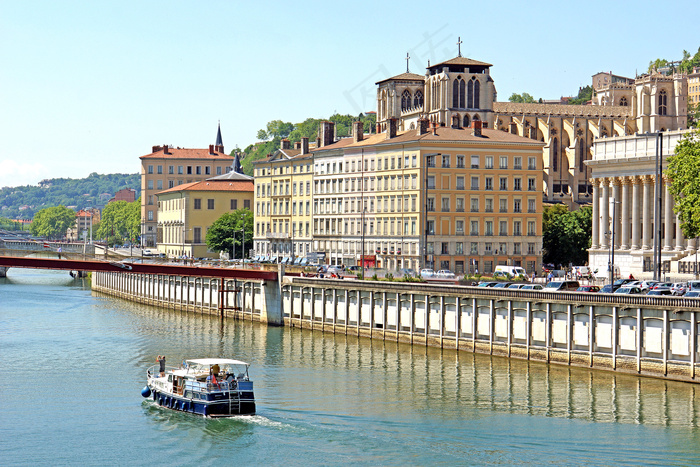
[(657, 64), (225, 233), (52, 223), (524, 98), (120, 221), (693, 115), (585, 94), (566, 234), (684, 172)]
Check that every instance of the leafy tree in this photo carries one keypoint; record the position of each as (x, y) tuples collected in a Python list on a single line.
[(120, 221), (693, 115), (225, 233), (52, 222), (523, 98), (657, 64), (566, 234), (684, 172), (585, 94)]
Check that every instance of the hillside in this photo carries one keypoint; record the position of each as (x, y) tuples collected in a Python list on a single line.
[(93, 191)]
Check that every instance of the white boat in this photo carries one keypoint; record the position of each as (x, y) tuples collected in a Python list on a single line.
[(212, 387)]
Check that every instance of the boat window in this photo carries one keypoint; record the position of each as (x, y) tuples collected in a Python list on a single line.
[(170, 378)]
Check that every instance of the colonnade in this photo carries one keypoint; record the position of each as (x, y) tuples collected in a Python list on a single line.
[(631, 198)]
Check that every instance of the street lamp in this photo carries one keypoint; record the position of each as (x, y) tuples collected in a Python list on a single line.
[(611, 251)]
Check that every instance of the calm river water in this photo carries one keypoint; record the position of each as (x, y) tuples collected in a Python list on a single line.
[(73, 364)]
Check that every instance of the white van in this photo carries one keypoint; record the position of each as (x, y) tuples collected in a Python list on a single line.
[(581, 271), (511, 271)]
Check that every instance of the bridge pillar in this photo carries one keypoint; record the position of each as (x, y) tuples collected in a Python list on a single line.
[(271, 311), (3, 271)]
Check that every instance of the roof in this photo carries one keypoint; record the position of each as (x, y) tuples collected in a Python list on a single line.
[(213, 185), (232, 175), (461, 61), (214, 361), (404, 77), (543, 110), (182, 153), (443, 135), (284, 154)]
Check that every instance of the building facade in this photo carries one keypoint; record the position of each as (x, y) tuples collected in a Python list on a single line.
[(185, 212), (167, 167), (694, 87), (283, 196)]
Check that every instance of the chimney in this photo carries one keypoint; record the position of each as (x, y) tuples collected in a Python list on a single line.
[(211, 149), (156, 149), (455, 121), (219, 148), (476, 125), (423, 125), (318, 142), (304, 145), (358, 130), (327, 133), (284, 144), (513, 128), (297, 145), (434, 125), (391, 128), (165, 149)]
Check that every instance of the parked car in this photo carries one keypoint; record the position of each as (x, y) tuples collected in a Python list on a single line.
[(693, 285), (532, 287), (509, 271), (666, 285), (444, 274), (517, 286), (629, 290), (354, 269), (678, 288), (588, 288), (621, 282), (659, 292), (502, 285), (647, 285), (487, 284), (561, 286), (426, 273), (407, 272), (692, 294), (607, 289)]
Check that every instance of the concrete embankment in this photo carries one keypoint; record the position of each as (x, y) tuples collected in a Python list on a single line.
[(642, 335)]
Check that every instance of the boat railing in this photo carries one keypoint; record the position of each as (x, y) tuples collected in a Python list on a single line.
[(219, 386)]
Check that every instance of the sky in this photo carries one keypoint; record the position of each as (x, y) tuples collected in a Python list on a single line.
[(92, 86)]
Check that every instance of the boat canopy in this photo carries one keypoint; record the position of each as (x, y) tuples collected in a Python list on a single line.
[(214, 361)]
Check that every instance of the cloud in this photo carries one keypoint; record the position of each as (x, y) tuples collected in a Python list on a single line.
[(13, 173)]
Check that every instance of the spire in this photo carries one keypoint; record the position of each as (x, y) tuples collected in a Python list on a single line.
[(236, 166), (219, 141)]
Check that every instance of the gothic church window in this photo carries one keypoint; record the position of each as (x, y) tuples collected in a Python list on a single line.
[(623, 102), (418, 99), (473, 90), (555, 155), (662, 102), (406, 100), (458, 93), (466, 121)]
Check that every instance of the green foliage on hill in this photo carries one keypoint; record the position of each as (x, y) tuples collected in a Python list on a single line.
[(277, 130), (521, 98), (584, 95), (81, 193), (685, 66)]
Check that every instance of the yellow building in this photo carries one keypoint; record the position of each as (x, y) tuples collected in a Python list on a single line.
[(185, 212), (283, 195), (167, 167), (694, 87), (445, 198)]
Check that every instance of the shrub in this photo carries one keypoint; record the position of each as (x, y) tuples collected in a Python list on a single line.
[(389, 276)]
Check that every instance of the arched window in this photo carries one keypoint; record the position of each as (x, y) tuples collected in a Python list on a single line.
[(458, 93), (475, 118), (418, 99), (623, 101), (555, 155), (470, 94), (662, 102), (406, 100), (582, 156), (465, 123), (473, 101)]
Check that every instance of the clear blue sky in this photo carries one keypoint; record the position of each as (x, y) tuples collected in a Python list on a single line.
[(91, 86)]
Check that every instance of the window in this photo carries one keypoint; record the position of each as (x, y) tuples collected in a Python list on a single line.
[(429, 248), (488, 184), (207, 170), (555, 155), (431, 182), (473, 90), (150, 169), (531, 205), (150, 215), (418, 99), (160, 170), (460, 205), (517, 231), (445, 248), (414, 161), (171, 183), (159, 184), (446, 162), (531, 230), (197, 203), (171, 169), (489, 162), (487, 247), (503, 162), (445, 204), (475, 183), (459, 227), (406, 100), (530, 248), (474, 228), (150, 200), (460, 162), (475, 205), (197, 231), (474, 248), (150, 184), (503, 228), (502, 205), (246, 203), (517, 162), (460, 183), (489, 228), (431, 227), (662, 102), (459, 248), (458, 96), (431, 204), (179, 169), (189, 170), (475, 162), (210, 204), (517, 185), (516, 206), (503, 183), (531, 163), (488, 205), (218, 171), (199, 170), (430, 161), (531, 184)]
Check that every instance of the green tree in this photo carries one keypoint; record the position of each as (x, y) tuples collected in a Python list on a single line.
[(224, 234), (120, 221), (693, 115), (524, 98), (684, 173), (585, 94), (657, 64), (566, 235), (52, 223)]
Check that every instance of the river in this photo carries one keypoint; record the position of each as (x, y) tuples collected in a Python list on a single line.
[(74, 362)]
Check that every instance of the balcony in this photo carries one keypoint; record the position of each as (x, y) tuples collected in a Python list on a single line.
[(277, 236)]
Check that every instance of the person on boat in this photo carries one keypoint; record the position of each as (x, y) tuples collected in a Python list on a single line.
[(161, 361), (211, 379), (215, 368)]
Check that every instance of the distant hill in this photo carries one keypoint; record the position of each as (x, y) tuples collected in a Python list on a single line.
[(93, 191)]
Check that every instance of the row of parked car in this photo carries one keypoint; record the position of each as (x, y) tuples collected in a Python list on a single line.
[(620, 286)]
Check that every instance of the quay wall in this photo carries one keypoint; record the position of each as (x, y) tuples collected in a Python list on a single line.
[(649, 336)]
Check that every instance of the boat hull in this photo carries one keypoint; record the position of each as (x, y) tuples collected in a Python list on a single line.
[(215, 408)]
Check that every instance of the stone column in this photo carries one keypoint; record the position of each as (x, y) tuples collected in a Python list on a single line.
[(680, 241), (616, 209), (605, 213), (668, 217), (625, 215), (595, 221), (635, 213), (647, 212)]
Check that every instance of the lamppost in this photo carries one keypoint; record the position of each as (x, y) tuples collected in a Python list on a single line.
[(611, 252)]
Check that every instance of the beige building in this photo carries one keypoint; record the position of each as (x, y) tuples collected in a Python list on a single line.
[(167, 167), (283, 195), (185, 212), (446, 198), (694, 87)]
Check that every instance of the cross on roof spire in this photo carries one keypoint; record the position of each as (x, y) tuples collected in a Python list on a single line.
[(459, 46), (407, 59)]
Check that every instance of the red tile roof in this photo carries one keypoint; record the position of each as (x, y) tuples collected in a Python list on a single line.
[(182, 153), (213, 185)]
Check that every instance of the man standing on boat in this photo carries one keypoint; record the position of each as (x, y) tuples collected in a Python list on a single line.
[(161, 360)]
